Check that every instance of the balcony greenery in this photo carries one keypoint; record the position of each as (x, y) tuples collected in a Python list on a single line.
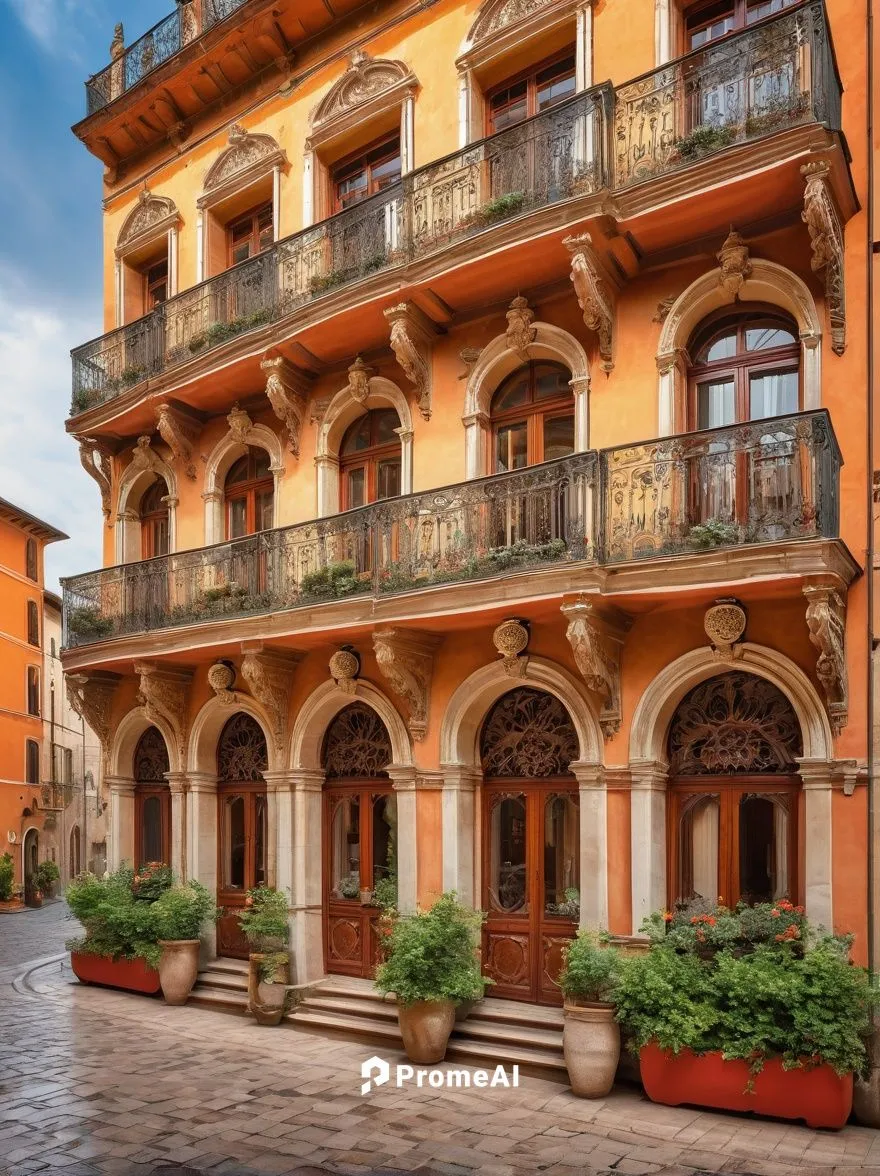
[(703, 140)]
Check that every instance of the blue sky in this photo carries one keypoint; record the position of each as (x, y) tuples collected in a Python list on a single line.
[(50, 253)]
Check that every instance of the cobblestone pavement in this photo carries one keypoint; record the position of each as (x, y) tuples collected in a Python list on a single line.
[(95, 1082)]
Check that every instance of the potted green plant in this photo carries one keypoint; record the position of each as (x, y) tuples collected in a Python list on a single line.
[(265, 923), (431, 966), (120, 947), (747, 1010), (7, 881), (180, 914), (47, 874), (590, 1035)]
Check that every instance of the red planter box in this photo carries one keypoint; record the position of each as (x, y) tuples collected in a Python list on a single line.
[(820, 1095), (132, 975)]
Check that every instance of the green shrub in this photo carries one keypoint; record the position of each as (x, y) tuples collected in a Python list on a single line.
[(116, 923), (264, 919), (47, 874), (87, 621), (385, 892), (270, 969), (151, 881), (713, 533), (497, 209), (590, 971), (182, 911), (7, 874), (434, 955), (334, 580), (704, 139)]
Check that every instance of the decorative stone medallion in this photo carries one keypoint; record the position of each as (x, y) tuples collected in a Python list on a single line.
[(511, 639), (221, 677), (725, 623), (345, 665)]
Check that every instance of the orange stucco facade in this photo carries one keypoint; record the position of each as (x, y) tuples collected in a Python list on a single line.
[(647, 242)]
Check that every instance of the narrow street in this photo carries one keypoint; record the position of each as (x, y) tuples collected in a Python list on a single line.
[(97, 1082)]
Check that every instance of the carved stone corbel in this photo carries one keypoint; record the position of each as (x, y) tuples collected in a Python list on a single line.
[(520, 330), (143, 456), (319, 409), (826, 238), (240, 424), (469, 357), (358, 386), (735, 265), (826, 622), (95, 460), (269, 674), (596, 642), (179, 434), (593, 294), (287, 390), (91, 696), (163, 693), (412, 335), (406, 661)]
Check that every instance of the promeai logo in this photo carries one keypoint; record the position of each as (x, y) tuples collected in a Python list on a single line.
[(376, 1072)]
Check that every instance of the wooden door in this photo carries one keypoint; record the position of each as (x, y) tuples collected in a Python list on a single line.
[(359, 845), (530, 885), (243, 822)]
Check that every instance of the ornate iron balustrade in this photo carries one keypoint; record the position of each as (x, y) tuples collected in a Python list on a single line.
[(748, 484), (776, 75), (490, 526), (163, 40), (551, 157), (753, 483)]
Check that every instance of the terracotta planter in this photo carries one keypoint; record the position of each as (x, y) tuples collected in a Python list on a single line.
[(266, 1001), (591, 1044), (132, 975), (819, 1095), (425, 1027), (178, 968)]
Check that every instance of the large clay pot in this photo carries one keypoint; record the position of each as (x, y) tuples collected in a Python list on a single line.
[(178, 968), (817, 1094), (133, 975), (266, 1001), (425, 1026), (591, 1044)]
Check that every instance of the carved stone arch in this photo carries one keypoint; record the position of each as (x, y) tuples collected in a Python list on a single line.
[(756, 280), (497, 15), (137, 477), (322, 706), (368, 87), (150, 218), (242, 433), (208, 726), (125, 741), (249, 157), (349, 403), (497, 360)]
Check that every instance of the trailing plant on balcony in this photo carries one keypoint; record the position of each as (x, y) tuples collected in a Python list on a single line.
[(493, 211), (84, 399), (776, 112), (333, 581), (712, 533), (703, 140), (87, 621), (7, 874), (220, 332), (127, 378)]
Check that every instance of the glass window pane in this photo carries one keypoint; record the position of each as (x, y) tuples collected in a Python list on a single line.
[(556, 83), (763, 848), (513, 393), (508, 884), (772, 394), (237, 518), (558, 437), (551, 383), (562, 894), (160, 537), (259, 463), (260, 837), (511, 450), (357, 437), (357, 492), (237, 472), (265, 500), (345, 848), (385, 421), (698, 848), (716, 404), (386, 173), (151, 834), (722, 348), (388, 478), (760, 338), (384, 837), (234, 839)]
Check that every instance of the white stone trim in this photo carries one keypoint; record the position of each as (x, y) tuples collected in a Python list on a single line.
[(208, 725), (133, 484), (322, 706), (227, 451), (125, 740)]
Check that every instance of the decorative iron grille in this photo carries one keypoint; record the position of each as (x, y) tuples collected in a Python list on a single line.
[(356, 745), (528, 734)]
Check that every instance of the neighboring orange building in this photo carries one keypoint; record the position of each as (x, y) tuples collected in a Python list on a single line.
[(481, 424), (27, 809)]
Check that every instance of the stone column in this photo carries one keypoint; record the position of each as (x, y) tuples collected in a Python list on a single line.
[(308, 876), (327, 468), (404, 781), (276, 202), (213, 500), (648, 834), (407, 133), (178, 784), (816, 776), (308, 195), (279, 864), (593, 820), (584, 47), (464, 108), (121, 848), (459, 805), (201, 841), (476, 425)]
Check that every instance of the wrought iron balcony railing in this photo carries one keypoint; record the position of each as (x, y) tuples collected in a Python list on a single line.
[(768, 78), (748, 484), (189, 19), (549, 158)]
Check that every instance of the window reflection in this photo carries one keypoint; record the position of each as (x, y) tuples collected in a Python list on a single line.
[(346, 848), (508, 884), (698, 848), (384, 836), (763, 848), (151, 835), (561, 857), (235, 841)]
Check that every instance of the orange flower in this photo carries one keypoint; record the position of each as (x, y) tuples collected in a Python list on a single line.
[(775, 913), (667, 916), (711, 921)]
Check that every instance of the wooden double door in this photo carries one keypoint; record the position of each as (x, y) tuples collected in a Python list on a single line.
[(360, 838), (531, 885), (244, 833)]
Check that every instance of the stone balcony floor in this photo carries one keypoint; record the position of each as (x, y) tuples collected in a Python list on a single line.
[(102, 1082)]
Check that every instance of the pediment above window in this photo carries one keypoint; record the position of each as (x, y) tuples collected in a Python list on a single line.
[(151, 217), (248, 157), (369, 86), (503, 25)]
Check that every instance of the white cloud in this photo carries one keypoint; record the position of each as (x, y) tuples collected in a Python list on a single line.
[(39, 462), (56, 25)]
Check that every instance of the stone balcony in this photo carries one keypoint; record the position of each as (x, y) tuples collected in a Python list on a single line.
[(599, 520), (772, 78)]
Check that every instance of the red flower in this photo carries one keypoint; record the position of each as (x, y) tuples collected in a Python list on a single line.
[(711, 921), (775, 914), (667, 916)]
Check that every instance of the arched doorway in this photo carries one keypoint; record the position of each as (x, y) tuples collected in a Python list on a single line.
[(734, 793), (75, 858), (531, 843), (30, 857), (360, 837), (152, 800), (242, 758)]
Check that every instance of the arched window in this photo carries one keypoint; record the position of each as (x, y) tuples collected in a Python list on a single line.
[(33, 623), (154, 520), (532, 417), (249, 492), (152, 799), (33, 690), (733, 746), (744, 367), (370, 459), (242, 760), (75, 859), (32, 761), (30, 560)]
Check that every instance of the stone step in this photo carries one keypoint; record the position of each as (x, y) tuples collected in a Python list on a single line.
[(230, 981)]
